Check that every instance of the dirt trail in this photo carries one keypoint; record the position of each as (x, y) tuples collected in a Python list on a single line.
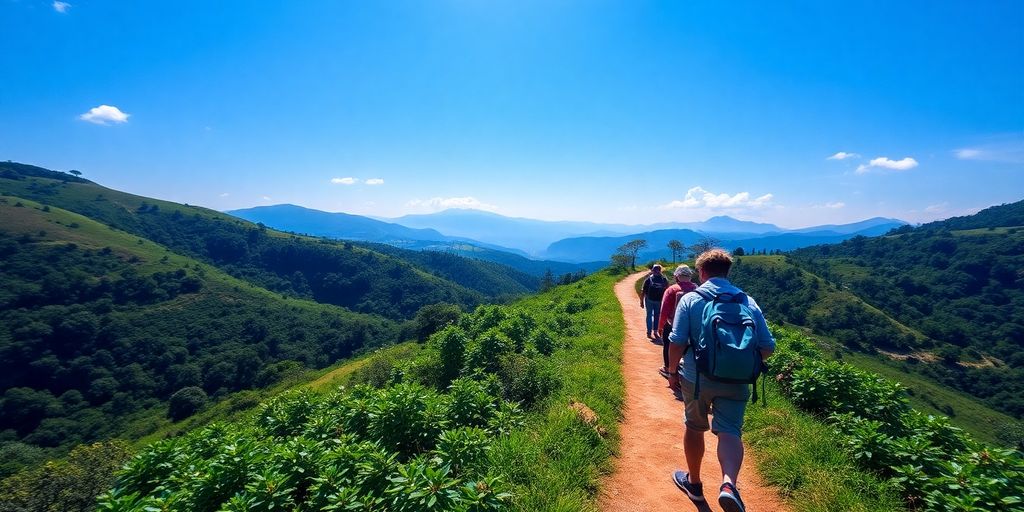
[(652, 435)]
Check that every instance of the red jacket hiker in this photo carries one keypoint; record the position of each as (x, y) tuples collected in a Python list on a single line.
[(683, 285)]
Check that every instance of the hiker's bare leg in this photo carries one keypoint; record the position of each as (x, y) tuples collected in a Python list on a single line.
[(693, 448), (730, 456)]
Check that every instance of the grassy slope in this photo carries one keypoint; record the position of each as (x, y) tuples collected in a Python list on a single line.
[(61, 227), (555, 463), (120, 209), (241, 404), (929, 396)]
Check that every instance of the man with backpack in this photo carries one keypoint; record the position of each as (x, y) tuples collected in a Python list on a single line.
[(653, 290), (722, 338)]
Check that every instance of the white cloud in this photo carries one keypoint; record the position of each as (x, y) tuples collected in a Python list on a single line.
[(105, 114), (61, 7), (697, 197), (937, 208), (882, 162), (836, 205), (843, 155), (266, 198), (344, 181), (441, 203), (225, 194), (1003, 149), (375, 181), (969, 153)]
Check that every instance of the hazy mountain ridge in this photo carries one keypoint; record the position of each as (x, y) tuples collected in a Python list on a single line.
[(565, 241), (584, 248), (366, 229)]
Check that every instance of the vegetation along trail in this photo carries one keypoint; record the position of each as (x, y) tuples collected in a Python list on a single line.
[(652, 435)]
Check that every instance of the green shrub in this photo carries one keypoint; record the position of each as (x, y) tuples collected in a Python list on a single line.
[(451, 346), (186, 402), (404, 447), (934, 465)]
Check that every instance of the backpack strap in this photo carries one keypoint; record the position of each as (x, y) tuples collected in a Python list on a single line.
[(708, 297)]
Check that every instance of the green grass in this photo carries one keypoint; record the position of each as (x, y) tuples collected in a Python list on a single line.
[(805, 460), (556, 462), (990, 231), (930, 397), (240, 405)]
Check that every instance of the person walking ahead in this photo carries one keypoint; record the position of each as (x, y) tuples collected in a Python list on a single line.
[(654, 288), (683, 285), (714, 310)]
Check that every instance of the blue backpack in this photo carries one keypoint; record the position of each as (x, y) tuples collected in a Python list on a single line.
[(727, 349)]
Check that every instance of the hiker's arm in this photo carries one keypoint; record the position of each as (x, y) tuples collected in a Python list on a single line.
[(668, 303), (765, 341), (675, 354), (678, 339)]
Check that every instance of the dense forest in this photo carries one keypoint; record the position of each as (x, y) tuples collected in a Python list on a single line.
[(91, 337), (332, 272)]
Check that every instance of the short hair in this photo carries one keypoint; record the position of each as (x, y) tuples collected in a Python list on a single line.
[(715, 263)]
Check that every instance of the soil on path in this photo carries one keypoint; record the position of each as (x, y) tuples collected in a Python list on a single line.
[(652, 435)]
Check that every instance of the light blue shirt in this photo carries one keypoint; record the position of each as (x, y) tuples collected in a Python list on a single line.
[(686, 325)]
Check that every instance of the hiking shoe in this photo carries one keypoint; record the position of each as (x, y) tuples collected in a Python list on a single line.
[(729, 499), (694, 491)]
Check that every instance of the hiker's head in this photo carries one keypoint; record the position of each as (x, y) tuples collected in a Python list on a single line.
[(714, 263), (656, 269), (683, 273)]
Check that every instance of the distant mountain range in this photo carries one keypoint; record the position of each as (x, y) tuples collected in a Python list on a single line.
[(494, 237), (289, 217), (585, 248)]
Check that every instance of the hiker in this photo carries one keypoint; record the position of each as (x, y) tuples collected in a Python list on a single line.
[(742, 343), (653, 290), (682, 286)]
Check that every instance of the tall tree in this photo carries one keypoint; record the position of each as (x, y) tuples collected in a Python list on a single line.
[(547, 281), (706, 243), (631, 249), (677, 249)]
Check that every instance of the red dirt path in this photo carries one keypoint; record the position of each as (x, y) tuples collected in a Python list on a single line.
[(652, 435)]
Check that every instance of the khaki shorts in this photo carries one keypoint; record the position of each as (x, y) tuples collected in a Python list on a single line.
[(726, 402)]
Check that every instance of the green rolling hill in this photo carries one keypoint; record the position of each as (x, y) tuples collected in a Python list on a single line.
[(874, 338), (112, 303), (326, 271), (99, 328)]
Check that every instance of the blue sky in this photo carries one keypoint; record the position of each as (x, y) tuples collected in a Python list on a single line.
[(627, 111)]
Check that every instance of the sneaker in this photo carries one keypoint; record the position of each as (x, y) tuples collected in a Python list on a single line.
[(682, 481), (664, 372), (729, 499)]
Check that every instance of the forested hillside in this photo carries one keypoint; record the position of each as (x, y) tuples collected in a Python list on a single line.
[(326, 271), (960, 283), (949, 301), (100, 328), (478, 419)]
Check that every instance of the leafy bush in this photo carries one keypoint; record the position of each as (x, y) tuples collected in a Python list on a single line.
[(186, 402), (404, 447), (934, 464)]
